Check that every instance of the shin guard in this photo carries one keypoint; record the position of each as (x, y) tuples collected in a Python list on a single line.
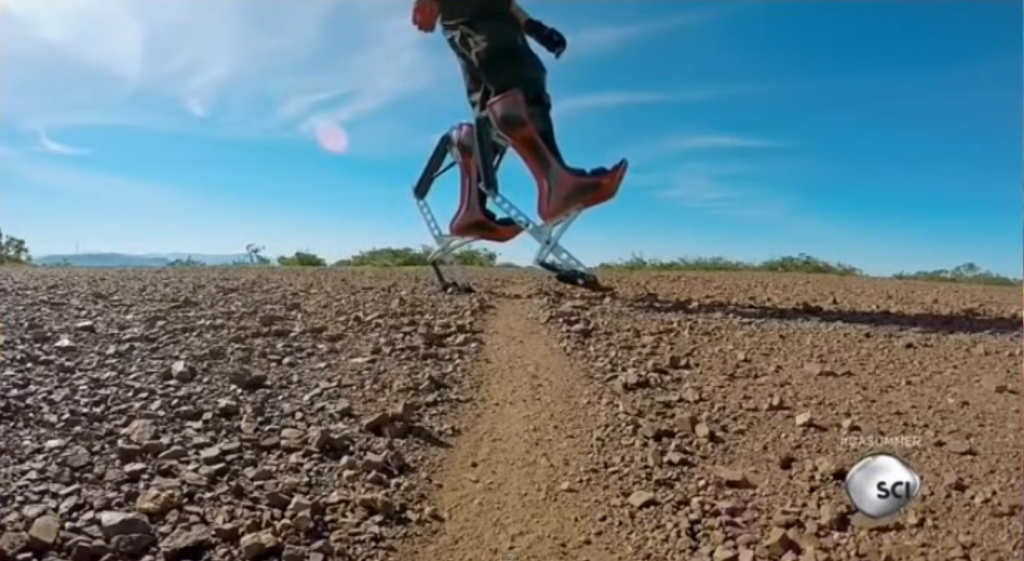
[(472, 220), (560, 189)]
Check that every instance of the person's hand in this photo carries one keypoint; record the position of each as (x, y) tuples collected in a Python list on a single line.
[(548, 37), (425, 14)]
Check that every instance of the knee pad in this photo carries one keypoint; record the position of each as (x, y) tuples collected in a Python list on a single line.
[(516, 105), (463, 137), (519, 114), (508, 111)]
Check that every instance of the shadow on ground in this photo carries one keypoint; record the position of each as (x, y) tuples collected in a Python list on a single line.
[(927, 322)]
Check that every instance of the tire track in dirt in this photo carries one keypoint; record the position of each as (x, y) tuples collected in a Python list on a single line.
[(525, 436)]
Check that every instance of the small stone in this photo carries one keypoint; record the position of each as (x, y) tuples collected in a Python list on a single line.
[(960, 447), (258, 544), (135, 470), (297, 505), (228, 408), (953, 482), (818, 369), (154, 447), (778, 543), (293, 553), (182, 371), (133, 544), (211, 455), (44, 532), (123, 523), (642, 499), (78, 459), (246, 379), (158, 501), (723, 553), (686, 424), (376, 504), (84, 549), (803, 420), (278, 500), (303, 521), (85, 327), (735, 479), (173, 453), (676, 459), (186, 544), (376, 423), (141, 431), (13, 543), (403, 412)]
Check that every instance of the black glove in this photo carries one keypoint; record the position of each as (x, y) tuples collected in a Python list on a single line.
[(548, 37)]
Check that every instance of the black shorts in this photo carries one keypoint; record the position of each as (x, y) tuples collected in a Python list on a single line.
[(496, 57)]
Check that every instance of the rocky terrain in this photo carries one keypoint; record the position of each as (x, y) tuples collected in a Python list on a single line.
[(360, 415)]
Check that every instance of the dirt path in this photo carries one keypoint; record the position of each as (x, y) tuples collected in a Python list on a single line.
[(526, 437)]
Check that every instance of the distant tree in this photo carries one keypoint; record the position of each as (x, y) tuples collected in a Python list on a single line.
[(14, 250), (255, 254), (476, 257), (801, 263), (966, 273), (301, 259), (187, 262), (410, 257)]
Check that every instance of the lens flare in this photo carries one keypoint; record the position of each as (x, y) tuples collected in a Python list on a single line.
[(331, 138)]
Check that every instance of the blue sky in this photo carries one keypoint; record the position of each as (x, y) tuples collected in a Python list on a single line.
[(884, 134)]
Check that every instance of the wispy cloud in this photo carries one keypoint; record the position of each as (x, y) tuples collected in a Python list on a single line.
[(222, 68), (255, 68), (712, 141), (617, 99), (659, 151), (196, 107), (599, 39), (725, 190), (47, 145), (63, 181)]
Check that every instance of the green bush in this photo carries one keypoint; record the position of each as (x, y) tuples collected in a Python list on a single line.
[(966, 273), (802, 263), (187, 262), (790, 264), (14, 251), (409, 257), (301, 259)]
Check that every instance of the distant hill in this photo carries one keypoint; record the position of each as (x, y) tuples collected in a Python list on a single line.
[(126, 260), (209, 259)]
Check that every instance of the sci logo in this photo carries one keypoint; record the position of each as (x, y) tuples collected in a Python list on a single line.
[(881, 485)]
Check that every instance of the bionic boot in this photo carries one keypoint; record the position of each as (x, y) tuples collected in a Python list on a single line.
[(561, 189), (474, 219)]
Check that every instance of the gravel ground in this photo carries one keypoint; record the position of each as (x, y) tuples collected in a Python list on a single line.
[(254, 414)]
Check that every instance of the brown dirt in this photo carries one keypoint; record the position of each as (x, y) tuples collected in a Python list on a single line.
[(513, 483), (362, 416)]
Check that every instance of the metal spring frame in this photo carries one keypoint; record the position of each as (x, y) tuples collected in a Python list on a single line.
[(551, 256)]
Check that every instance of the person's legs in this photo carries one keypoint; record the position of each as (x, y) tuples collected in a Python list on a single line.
[(473, 218), (518, 105), (467, 43)]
